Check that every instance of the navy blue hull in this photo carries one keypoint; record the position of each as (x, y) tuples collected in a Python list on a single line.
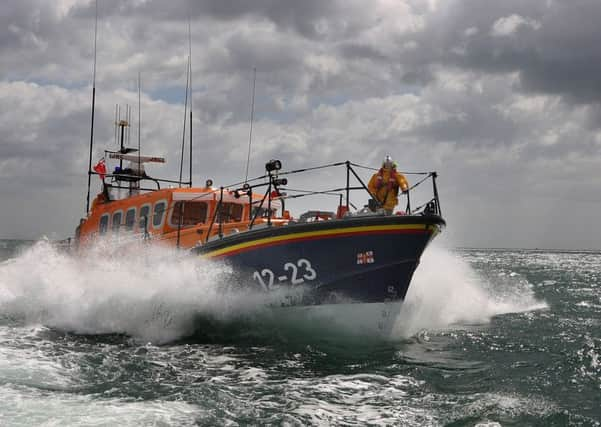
[(353, 260)]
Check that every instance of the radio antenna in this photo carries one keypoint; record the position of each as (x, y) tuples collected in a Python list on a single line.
[(93, 107), (181, 161), (116, 121), (128, 119), (191, 100), (252, 116), (139, 116)]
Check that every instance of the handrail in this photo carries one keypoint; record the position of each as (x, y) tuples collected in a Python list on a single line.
[(217, 209), (377, 169)]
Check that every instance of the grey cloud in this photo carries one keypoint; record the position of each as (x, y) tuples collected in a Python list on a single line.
[(491, 129), (560, 57), (304, 17), (336, 80)]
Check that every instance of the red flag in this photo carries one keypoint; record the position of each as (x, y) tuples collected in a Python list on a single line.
[(100, 168)]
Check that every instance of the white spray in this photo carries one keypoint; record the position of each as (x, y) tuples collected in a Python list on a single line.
[(150, 292), (447, 291), (156, 293)]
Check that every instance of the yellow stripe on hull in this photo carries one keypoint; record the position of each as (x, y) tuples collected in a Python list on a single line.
[(309, 234)]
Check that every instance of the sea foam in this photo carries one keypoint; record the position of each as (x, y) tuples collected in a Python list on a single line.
[(155, 293)]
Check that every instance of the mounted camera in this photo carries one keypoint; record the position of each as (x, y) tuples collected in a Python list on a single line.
[(280, 181), (273, 165)]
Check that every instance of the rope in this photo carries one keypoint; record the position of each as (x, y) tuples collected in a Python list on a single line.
[(287, 173), (332, 192), (377, 169), (419, 182), (312, 168), (311, 193)]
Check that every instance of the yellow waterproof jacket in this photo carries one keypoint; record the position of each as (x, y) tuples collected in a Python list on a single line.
[(385, 185)]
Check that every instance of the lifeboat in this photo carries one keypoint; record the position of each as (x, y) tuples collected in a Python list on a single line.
[(321, 257), (346, 255)]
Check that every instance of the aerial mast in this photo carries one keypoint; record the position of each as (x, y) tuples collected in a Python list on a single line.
[(181, 161), (139, 115), (93, 108), (252, 116), (186, 104), (190, 65)]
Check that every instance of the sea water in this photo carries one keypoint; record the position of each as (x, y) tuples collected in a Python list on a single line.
[(150, 336)]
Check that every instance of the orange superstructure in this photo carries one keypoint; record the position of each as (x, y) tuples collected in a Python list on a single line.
[(186, 217), (183, 216)]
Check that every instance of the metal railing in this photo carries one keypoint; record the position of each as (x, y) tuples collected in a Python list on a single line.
[(274, 181), (276, 187)]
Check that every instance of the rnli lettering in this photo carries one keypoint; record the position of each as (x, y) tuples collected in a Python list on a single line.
[(295, 273), (365, 257)]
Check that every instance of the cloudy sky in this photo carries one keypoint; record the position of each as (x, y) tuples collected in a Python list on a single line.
[(501, 98)]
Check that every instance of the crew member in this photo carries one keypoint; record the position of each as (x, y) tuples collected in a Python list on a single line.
[(384, 185)]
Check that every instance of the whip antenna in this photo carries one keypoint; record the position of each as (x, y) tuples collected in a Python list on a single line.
[(139, 116), (188, 88), (190, 64), (252, 116), (93, 106), (181, 161)]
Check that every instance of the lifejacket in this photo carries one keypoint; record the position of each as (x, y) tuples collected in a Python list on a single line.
[(392, 181)]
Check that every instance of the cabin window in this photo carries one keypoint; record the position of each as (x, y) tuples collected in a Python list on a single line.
[(191, 213), (263, 212), (158, 213), (231, 212), (130, 219), (104, 224), (144, 217), (116, 221)]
